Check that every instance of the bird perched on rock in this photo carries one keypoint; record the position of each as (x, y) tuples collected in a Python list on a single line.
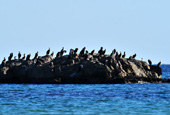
[(75, 51), (28, 57), (100, 51), (159, 64), (103, 53), (72, 52), (62, 51), (52, 54), (124, 55), (19, 55), (36, 55), (82, 51), (58, 54), (48, 51), (130, 58), (3, 62), (116, 54), (10, 57), (134, 56), (92, 52), (119, 56), (23, 57), (114, 51), (150, 62)]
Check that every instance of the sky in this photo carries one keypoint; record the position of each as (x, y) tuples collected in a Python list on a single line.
[(133, 26)]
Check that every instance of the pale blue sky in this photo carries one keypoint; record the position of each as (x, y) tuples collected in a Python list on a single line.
[(134, 26)]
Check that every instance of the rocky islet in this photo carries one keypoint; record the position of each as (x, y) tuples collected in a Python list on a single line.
[(79, 68)]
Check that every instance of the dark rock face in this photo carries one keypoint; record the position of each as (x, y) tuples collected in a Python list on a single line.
[(86, 69)]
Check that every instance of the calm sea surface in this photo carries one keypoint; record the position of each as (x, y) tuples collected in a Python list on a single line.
[(112, 99)]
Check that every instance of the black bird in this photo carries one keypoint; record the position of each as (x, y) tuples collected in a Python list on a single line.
[(52, 54), (58, 54), (103, 53), (3, 62), (82, 51), (134, 56), (159, 64), (48, 51), (19, 55), (119, 56), (10, 57), (23, 57), (62, 51), (75, 51), (100, 51), (150, 62), (124, 55), (116, 54), (4, 59), (92, 52), (114, 51), (130, 58), (28, 57), (36, 55)]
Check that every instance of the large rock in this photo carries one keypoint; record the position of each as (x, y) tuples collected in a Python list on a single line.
[(79, 69)]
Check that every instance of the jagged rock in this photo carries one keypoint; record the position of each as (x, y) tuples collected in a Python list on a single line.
[(76, 68)]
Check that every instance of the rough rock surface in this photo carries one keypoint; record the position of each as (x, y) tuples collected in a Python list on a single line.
[(84, 69)]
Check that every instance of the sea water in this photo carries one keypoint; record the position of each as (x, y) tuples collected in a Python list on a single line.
[(106, 99)]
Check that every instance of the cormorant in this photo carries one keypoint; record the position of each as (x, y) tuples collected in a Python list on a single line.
[(36, 55), (116, 54), (92, 52), (124, 55), (62, 51), (103, 53), (58, 54), (28, 57), (75, 51), (3, 62), (82, 51), (119, 56), (10, 57), (159, 64), (52, 54), (114, 51), (19, 55), (134, 55), (48, 51), (23, 57), (130, 58), (150, 62), (100, 51)]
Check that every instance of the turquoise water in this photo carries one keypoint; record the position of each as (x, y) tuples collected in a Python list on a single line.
[(85, 99)]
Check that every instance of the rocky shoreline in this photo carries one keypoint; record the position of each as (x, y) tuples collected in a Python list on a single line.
[(79, 68)]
